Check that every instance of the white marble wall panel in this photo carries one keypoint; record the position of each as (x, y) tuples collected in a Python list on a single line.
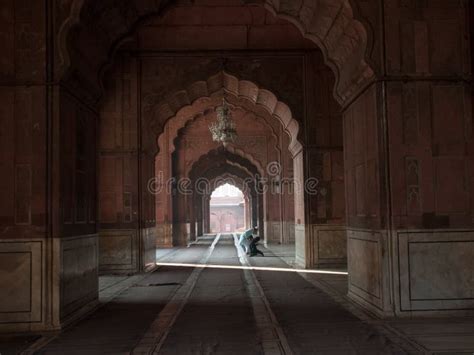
[(118, 251), (435, 271), (79, 273), (164, 235), (301, 246), (368, 265), (148, 236), (329, 245), (288, 232), (21, 282), (273, 232)]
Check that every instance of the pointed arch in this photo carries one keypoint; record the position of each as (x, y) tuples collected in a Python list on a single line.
[(159, 112), (331, 24), (182, 120), (221, 156)]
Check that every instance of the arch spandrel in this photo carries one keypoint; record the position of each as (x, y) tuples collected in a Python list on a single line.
[(221, 156), (330, 24), (159, 114), (181, 128)]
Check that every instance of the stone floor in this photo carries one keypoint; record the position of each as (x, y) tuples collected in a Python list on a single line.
[(211, 299), (429, 336)]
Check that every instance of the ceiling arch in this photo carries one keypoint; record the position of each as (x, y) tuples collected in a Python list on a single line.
[(217, 178), (227, 178), (226, 156), (215, 173), (158, 112), (184, 118), (330, 24)]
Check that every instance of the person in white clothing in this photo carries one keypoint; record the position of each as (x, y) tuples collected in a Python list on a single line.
[(244, 240)]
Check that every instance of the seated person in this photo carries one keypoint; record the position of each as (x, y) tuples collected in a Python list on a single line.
[(244, 238), (253, 247)]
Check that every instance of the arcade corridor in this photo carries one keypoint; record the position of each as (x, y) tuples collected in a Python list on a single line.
[(228, 308), (346, 125)]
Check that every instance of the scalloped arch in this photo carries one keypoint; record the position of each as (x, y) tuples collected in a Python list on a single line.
[(237, 157), (225, 179), (180, 122), (237, 181), (183, 101), (218, 176), (330, 24)]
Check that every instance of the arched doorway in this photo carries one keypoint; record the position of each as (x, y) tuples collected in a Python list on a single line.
[(177, 96), (394, 195), (228, 210)]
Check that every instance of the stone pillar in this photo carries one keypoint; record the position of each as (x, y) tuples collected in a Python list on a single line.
[(147, 227), (247, 214), (260, 215), (192, 217), (272, 211), (180, 220), (164, 210), (206, 214), (302, 258), (409, 168), (287, 193), (254, 211), (126, 206), (319, 240), (321, 173), (180, 205), (200, 215), (325, 206), (48, 216)]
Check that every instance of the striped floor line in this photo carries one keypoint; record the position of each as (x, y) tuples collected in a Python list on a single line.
[(157, 333), (271, 334)]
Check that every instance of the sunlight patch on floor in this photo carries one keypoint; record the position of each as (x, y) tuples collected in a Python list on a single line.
[(256, 268)]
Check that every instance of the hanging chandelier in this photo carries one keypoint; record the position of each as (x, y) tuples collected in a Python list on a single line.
[(223, 131)]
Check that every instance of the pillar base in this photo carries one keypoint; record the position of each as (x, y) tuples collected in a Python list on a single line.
[(127, 251), (301, 247), (320, 246), (39, 296), (418, 273), (181, 234), (328, 246), (164, 235)]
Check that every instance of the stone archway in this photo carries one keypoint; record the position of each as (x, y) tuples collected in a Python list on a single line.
[(242, 184), (171, 116), (207, 105), (404, 159), (330, 24), (185, 103), (210, 166), (146, 220), (213, 175)]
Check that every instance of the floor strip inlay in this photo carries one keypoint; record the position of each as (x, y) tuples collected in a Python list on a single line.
[(156, 334), (271, 334)]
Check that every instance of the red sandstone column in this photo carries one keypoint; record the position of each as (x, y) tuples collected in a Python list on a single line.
[(164, 210), (409, 167), (302, 257), (206, 214), (323, 173), (200, 213), (180, 218), (192, 217), (247, 213)]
